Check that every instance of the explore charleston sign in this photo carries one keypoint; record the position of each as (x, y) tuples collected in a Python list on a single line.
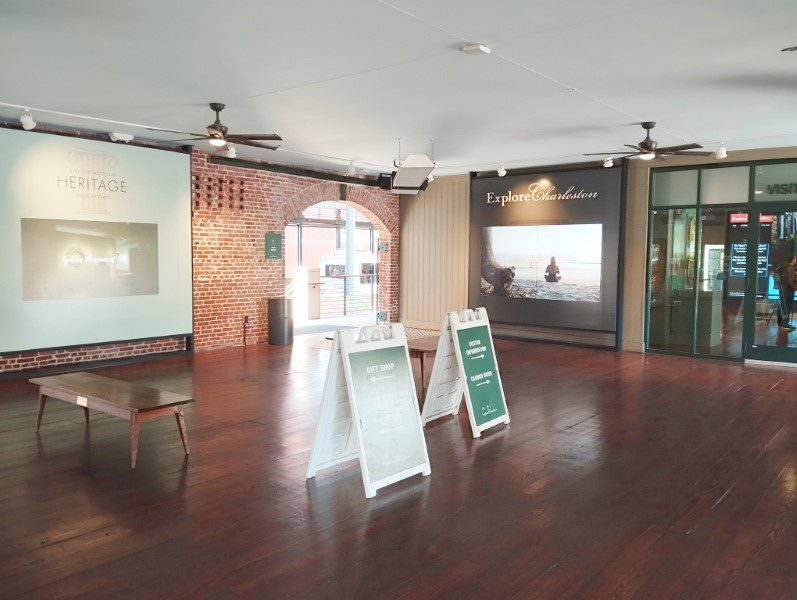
[(540, 192)]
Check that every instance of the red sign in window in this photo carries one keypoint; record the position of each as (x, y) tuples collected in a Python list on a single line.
[(742, 218)]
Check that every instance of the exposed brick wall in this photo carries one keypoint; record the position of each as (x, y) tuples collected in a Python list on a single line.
[(232, 210), (25, 361)]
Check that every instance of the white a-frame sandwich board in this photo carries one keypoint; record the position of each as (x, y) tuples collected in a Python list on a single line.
[(369, 409), (465, 365)]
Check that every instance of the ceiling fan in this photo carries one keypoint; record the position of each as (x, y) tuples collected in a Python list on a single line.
[(648, 149), (219, 136)]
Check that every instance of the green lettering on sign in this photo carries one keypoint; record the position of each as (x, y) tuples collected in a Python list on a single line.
[(273, 245), (481, 374), (391, 432)]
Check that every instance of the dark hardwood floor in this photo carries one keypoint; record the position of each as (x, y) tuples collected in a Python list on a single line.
[(620, 476)]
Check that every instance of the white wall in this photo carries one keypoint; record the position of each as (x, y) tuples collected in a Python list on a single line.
[(46, 177)]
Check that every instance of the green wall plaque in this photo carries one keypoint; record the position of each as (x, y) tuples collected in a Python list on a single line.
[(273, 245)]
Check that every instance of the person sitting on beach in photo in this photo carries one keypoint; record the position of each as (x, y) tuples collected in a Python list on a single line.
[(552, 272)]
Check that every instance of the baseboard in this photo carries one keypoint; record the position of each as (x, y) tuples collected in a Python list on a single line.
[(769, 363), (633, 346), (95, 364)]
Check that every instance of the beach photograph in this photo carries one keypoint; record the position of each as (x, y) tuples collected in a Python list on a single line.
[(547, 262)]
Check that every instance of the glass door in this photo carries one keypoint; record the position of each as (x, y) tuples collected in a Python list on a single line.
[(697, 278), (719, 325), (671, 291), (770, 332)]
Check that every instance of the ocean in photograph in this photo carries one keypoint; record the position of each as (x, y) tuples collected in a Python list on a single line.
[(544, 290), (571, 273)]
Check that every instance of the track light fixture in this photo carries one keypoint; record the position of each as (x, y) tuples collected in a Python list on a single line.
[(121, 137), (352, 169), (430, 179), (722, 152), (501, 170), (231, 151), (608, 162), (27, 120), (476, 49)]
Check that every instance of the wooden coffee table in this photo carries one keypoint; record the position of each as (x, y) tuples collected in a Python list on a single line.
[(129, 401)]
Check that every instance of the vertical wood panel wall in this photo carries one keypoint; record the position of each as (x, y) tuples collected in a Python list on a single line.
[(433, 263)]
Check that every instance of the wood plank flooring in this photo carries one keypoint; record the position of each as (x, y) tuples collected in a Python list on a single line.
[(620, 476)]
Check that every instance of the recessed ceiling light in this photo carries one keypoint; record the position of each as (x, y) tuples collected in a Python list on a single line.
[(476, 49)]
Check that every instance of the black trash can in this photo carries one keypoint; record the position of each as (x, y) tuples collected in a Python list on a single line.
[(280, 321)]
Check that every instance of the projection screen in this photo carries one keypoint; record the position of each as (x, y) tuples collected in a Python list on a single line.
[(95, 242)]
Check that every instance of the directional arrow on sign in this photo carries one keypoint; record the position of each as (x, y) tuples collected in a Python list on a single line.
[(485, 382), (477, 356), (375, 379)]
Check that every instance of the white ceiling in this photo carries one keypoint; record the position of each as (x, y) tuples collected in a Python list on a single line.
[(346, 79)]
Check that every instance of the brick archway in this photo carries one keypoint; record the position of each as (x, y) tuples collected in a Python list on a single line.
[(232, 208), (381, 209)]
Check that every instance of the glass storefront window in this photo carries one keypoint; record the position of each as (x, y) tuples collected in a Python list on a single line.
[(775, 182), (717, 263), (672, 286), (675, 188), (726, 185), (362, 240), (723, 268), (777, 232)]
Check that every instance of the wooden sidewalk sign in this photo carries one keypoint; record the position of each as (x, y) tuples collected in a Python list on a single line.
[(465, 365), (369, 410)]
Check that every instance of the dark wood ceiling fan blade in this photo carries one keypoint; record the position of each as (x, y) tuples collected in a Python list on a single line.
[(253, 144), (670, 149), (636, 148), (273, 137), (196, 139), (682, 153)]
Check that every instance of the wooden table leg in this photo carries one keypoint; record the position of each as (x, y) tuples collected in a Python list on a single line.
[(423, 381), (135, 425), (181, 427), (86, 413), (42, 402)]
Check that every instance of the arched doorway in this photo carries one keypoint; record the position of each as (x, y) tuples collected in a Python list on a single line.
[(340, 259)]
